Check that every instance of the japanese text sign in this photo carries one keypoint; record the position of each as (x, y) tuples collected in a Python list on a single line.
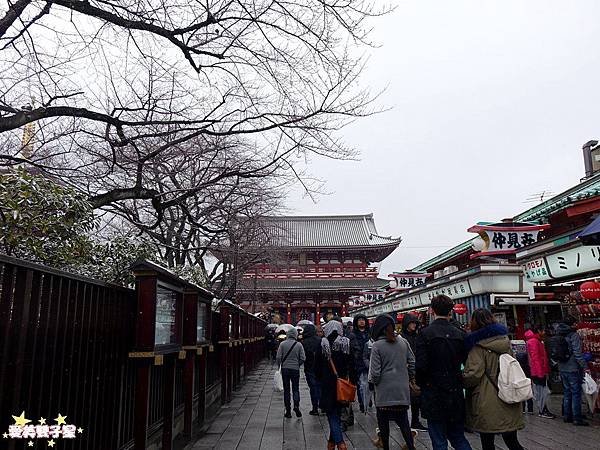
[(574, 261), (503, 239), (407, 280)]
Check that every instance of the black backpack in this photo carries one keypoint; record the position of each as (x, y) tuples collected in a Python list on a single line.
[(559, 349)]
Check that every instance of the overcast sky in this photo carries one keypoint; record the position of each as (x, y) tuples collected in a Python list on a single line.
[(491, 103)]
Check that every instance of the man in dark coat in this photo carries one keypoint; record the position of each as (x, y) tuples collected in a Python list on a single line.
[(358, 338), (440, 351), (271, 344), (410, 329), (312, 348)]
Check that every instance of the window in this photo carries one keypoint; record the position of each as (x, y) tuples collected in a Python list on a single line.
[(201, 324), (302, 258), (165, 331)]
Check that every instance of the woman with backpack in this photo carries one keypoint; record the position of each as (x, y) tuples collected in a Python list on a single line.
[(487, 414)]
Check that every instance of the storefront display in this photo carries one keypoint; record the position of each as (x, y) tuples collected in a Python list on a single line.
[(585, 305), (590, 337)]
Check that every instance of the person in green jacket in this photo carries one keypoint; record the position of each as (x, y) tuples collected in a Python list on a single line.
[(485, 412)]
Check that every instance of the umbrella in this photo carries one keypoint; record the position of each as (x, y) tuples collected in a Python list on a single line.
[(347, 320), (271, 326), (284, 327), (305, 322)]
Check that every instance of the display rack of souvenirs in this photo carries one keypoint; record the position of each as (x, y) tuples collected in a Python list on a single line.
[(587, 304)]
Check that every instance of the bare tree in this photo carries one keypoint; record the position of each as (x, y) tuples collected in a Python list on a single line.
[(115, 88), (212, 232)]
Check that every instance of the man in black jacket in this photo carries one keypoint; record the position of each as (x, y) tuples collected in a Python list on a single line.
[(440, 351), (312, 347), (358, 338), (410, 329)]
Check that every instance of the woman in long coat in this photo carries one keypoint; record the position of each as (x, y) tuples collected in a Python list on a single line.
[(486, 413), (335, 348), (391, 368)]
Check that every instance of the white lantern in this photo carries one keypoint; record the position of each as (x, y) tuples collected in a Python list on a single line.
[(478, 244)]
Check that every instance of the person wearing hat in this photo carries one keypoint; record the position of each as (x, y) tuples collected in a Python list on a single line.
[(290, 356)]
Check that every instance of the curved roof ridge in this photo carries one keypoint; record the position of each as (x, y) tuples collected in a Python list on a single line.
[(320, 217)]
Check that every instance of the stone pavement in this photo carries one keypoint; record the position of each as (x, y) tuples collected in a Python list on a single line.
[(254, 420)]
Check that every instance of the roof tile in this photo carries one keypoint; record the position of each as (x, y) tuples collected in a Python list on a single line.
[(325, 232)]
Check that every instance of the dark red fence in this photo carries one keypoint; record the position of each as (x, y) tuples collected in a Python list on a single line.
[(66, 346)]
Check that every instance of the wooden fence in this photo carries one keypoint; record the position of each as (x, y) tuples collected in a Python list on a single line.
[(69, 345)]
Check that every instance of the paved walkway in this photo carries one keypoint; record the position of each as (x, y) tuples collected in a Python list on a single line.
[(254, 420)]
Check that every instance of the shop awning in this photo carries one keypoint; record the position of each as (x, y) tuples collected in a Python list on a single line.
[(591, 234), (525, 302)]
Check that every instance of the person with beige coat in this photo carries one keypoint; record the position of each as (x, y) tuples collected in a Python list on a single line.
[(485, 412)]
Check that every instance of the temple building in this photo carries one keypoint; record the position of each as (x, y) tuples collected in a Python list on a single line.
[(315, 266)]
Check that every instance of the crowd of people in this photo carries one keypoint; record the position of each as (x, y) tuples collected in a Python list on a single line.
[(439, 372)]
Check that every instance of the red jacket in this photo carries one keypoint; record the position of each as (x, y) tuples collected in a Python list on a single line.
[(538, 360)]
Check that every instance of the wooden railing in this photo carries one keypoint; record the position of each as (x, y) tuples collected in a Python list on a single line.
[(66, 343)]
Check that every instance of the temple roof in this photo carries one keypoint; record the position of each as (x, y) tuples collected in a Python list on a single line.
[(311, 284), (326, 232)]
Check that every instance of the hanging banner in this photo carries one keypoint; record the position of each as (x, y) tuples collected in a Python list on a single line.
[(407, 280), (504, 238), (367, 297)]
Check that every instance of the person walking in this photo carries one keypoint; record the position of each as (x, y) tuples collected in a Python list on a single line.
[(271, 344), (290, 356), (312, 348), (440, 352), (335, 350), (539, 369), (410, 328), (358, 338), (571, 370), (523, 359), (486, 413), (391, 368)]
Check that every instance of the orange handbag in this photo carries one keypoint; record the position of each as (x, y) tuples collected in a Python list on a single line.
[(346, 391)]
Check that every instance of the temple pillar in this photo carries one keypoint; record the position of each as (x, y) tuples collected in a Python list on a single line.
[(289, 313)]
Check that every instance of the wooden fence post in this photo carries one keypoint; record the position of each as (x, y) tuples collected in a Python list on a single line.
[(144, 342), (190, 323), (224, 351), (170, 362)]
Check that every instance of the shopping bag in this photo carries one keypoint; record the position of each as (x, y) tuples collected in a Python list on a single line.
[(589, 386), (345, 390), (364, 389), (278, 381)]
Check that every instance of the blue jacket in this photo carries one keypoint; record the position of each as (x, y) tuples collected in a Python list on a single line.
[(576, 362)]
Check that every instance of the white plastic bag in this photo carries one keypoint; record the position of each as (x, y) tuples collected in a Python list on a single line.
[(278, 381), (589, 386)]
